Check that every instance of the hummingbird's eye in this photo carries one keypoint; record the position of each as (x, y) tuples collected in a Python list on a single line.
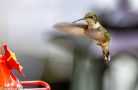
[(91, 17)]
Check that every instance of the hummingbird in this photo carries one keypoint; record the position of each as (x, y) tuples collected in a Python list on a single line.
[(92, 29)]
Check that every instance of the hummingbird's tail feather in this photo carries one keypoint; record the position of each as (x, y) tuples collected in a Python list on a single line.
[(105, 49), (106, 55)]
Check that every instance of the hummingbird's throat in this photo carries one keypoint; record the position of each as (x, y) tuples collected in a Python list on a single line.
[(96, 25), (93, 24), (90, 23)]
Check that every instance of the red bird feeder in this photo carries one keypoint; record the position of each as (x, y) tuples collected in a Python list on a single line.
[(8, 80)]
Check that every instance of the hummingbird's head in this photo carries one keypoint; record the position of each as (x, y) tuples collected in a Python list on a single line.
[(91, 15), (90, 18)]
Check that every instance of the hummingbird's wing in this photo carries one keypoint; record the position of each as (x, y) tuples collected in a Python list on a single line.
[(76, 29)]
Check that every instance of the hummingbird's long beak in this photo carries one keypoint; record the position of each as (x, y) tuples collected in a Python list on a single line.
[(78, 20)]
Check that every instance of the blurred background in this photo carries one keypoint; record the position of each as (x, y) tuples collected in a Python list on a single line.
[(67, 62)]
